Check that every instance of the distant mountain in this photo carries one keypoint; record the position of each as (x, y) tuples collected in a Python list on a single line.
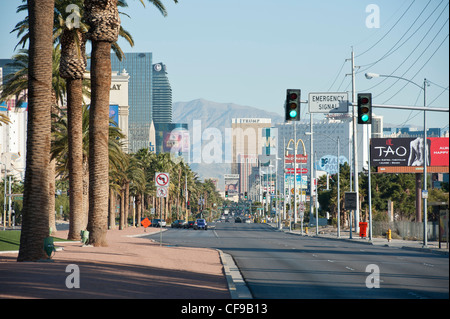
[(215, 115), (218, 115)]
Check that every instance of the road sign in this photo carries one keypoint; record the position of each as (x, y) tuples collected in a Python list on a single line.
[(161, 191), (162, 179), (146, 222), (299, 171), (350, 200), (328, 102)]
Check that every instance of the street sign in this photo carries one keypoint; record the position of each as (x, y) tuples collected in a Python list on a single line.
[(146, 222), (162, 179), (350, 200), (299, 171), (161, 191), (301, 159), (328, 102)]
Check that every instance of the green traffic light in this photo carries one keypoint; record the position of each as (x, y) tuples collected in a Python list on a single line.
[(293, 113), (365, 118)]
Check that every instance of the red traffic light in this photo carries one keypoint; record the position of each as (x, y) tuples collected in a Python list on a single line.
[(364, 100), (293, 96)]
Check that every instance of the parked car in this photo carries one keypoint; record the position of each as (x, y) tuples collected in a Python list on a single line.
[(238, 220), (179, 223), (158, 223), (189, 224), (200, 224)]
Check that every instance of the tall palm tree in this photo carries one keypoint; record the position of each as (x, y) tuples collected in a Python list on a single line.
[(102, 16), (36, 196), (72, 68)]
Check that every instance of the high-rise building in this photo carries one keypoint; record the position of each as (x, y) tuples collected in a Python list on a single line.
[(139, 67), (247, 143), (162, 95)]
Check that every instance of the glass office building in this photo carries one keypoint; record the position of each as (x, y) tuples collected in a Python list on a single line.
[(162, 95), (173, 138), (139, 67)]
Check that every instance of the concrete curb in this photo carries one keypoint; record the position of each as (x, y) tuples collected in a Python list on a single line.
[(236, 284)]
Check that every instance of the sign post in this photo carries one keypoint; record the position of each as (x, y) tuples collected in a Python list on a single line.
[(350, 202), (162, 181)]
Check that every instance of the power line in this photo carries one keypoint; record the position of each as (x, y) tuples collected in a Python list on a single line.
[(411, 53), (392, 28), (420, 68), (392, 50)]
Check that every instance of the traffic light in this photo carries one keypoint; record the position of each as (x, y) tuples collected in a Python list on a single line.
[(188, 206), (264, 195), (292, 106), (226, 194), (245, 195), (364, 108)]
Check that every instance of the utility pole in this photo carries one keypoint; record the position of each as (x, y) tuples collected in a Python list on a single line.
[(355, 142)]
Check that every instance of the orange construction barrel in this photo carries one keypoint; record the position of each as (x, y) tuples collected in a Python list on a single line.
[(363, 229)]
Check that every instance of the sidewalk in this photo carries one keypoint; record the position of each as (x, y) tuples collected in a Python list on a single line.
[(331, 233), (130, 267)]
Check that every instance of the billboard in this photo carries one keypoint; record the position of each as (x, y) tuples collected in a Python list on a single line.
[(114, 113), (176, 141), (328, 163), (232, 184), (409, 152)]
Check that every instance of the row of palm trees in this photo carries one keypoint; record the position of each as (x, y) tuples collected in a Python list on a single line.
[(44, 28)]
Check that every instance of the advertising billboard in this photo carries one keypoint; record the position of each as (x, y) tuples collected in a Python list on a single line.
[(114, 113), (232, 184), (176, 141), (409, 152)]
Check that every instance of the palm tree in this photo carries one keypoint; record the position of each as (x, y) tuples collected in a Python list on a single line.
[(36, 195), (104, 24), (72, 68)]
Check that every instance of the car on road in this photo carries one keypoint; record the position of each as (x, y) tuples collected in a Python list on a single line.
[(200, 224), (179, 223), (189, 224), (238, 220), (158, 223)]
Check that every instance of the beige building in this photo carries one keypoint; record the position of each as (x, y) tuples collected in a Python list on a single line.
[(247, 143)]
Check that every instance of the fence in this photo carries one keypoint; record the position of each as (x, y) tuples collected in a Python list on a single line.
[(407, 230)]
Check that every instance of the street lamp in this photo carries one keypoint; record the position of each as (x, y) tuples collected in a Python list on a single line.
[(424, 192)]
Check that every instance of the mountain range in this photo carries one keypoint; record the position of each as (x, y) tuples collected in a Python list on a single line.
[(219, 116)]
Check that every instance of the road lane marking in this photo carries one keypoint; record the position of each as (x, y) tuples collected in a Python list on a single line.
[(349, 268)]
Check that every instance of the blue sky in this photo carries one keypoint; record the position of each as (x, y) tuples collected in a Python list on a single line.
[(249, 52)]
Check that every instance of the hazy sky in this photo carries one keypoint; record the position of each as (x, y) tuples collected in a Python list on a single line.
[(250, 51)]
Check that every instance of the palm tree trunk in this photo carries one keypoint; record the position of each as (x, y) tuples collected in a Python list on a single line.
[(98, 143), (72, 67), (122, 209), (102, 16), (75, 136), (127, 202), (112, 209), (51, 196), (36, 187)]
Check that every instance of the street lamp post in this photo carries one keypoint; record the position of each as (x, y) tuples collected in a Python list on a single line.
[(425, 149)]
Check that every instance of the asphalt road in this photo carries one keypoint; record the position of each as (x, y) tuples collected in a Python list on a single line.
[(278, 265)]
